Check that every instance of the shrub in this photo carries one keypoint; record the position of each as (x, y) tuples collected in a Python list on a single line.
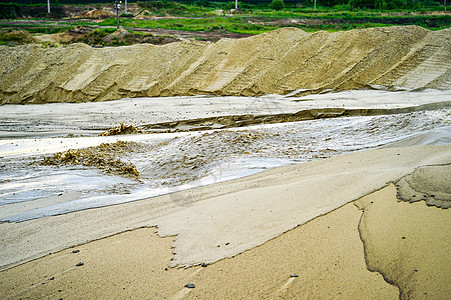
[(9, 11), (277, 4)]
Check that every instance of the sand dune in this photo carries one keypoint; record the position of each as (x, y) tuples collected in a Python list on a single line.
[(284, 61)]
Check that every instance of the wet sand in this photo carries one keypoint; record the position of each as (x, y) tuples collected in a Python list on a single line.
[(326, 254), (405, 242)]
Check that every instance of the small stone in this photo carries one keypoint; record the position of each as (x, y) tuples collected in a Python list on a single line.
[(190, 285), (79, 264), (75, 251), (52, 278), (165, 269), (204, 265), (416, 270), (227, 244), (294, 275), (432, 195), (403, 237)]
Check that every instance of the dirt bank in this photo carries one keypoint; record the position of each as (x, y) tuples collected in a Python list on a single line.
[(283, 61)]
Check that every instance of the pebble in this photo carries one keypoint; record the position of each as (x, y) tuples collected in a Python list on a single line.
[(294, 275), (79, 264), (190, 285), (204, 265), (75, 251)]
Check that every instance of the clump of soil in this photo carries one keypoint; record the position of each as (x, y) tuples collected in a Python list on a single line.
[(123, 129), (102, 157)]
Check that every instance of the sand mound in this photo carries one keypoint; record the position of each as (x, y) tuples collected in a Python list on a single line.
[(283, 61), (97, 14)]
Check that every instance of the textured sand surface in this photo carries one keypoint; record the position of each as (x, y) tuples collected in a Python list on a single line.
[(430, 183), (326, 254), (406, 242), (284, 61), (236, 215)]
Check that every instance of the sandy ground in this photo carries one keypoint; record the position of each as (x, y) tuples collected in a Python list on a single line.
[(251, 252), (326, 254)]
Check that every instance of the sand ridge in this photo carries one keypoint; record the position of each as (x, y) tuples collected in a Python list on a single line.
[(283, 61)]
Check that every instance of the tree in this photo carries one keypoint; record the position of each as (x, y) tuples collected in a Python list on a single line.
[(277, 4)]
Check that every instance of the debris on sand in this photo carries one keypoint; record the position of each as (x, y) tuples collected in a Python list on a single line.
[(103, 157), (122, 129)]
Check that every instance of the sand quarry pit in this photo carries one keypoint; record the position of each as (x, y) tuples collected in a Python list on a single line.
[(285, 165)]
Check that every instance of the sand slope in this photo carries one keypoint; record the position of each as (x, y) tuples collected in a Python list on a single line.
[(283, 61)]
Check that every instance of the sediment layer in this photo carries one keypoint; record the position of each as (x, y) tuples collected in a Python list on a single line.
[(284, 61), (231, 121)]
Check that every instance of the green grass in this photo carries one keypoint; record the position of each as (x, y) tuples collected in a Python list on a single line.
[(331, 21)]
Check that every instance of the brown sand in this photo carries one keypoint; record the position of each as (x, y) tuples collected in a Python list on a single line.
[(326, 254), (237, 215), (405, 242), (409, 243), (283, 61)]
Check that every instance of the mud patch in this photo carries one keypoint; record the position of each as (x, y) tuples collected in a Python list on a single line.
[(430, 184)]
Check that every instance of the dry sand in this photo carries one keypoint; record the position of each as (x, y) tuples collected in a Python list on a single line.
[(405, 242), (283, 61)]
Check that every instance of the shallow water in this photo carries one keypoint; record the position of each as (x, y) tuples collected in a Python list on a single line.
[(175, 161)]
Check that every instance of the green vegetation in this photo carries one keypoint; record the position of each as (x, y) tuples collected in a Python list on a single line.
[(253, 17), (9, 10), (277, 4), (12, 38), (331, 21)]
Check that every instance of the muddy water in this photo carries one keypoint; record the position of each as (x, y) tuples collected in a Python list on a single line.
[(169, 162)]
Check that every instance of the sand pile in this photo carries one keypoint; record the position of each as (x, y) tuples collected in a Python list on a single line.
[(283, 61), (97, 14)]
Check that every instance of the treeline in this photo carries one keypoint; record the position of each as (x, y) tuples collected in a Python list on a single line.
[(378, 4)]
